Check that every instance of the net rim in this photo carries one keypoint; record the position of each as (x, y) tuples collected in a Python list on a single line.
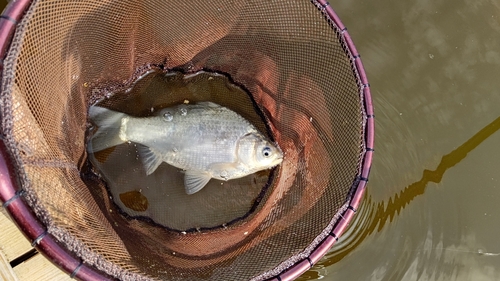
[(361, 179), (11, 195), (9, 19)]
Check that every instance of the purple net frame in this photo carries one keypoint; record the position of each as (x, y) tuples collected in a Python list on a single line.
[(35, 231), (361, 180), (11, 194)]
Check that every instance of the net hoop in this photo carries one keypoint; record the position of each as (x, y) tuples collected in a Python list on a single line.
[(359, 187), (12, 196)]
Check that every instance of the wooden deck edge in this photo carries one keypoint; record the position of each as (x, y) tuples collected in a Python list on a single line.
[(12, 241), (14, 247), (6, 272)]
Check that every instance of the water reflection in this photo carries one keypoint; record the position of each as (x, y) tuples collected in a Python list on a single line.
[(432, 66), (373, 217)]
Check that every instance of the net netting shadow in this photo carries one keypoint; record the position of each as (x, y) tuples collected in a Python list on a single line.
[(289, 67)]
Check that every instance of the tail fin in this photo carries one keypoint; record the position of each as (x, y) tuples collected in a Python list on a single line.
[(108, 132)]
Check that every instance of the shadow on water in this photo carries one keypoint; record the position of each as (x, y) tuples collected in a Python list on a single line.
[(418, 188), (400, 200), (377, 215)]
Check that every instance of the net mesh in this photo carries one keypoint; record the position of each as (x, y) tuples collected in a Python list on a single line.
[(66, 55)]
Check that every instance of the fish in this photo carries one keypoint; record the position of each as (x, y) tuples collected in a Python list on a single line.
[(204, 139)]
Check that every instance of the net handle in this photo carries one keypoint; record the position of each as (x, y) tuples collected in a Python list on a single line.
[(10, 193), (361, 180)]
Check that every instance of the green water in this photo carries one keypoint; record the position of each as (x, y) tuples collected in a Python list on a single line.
[(431, 210)]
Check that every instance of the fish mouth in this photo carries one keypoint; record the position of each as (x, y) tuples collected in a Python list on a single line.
[(277, 161)]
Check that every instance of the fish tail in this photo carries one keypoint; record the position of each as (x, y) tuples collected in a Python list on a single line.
[(109, 125)]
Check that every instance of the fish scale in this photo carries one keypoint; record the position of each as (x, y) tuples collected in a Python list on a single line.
[(205, 139)]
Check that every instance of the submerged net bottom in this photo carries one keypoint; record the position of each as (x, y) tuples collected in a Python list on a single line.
[(285, 54), (160, 197)]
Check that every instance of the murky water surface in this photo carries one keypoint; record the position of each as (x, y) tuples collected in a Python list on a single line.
[(431, 211)]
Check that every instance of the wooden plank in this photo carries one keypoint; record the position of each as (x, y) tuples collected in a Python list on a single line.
[(12, 241), (13, 244), (40, 269), (6, 272)]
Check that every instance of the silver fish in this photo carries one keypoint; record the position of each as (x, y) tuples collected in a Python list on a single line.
[(204, 139)]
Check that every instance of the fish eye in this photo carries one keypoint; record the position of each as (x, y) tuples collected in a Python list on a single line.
[(266, 151)]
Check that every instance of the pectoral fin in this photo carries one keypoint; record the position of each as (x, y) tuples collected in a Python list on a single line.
[(150, 158), (194, 181)]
